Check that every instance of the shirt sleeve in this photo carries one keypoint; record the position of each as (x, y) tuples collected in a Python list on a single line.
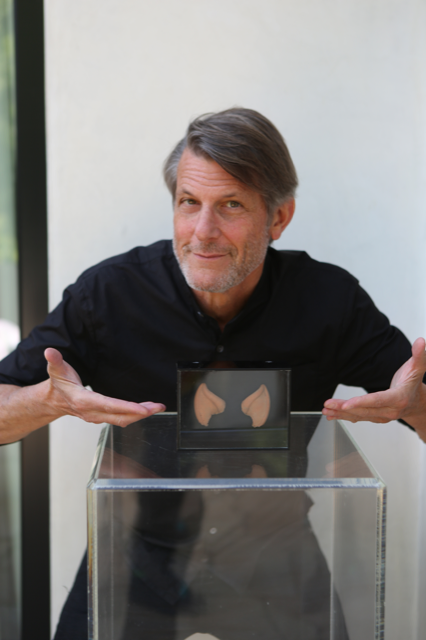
[(68, 328), (370, 350)]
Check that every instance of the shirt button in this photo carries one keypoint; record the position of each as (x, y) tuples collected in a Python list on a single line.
[(220, 348)]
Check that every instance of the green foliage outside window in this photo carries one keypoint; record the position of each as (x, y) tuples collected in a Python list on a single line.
[(8, 241)]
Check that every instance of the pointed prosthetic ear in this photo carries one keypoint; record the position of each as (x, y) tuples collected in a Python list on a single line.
[(207, 404), (257, 406), (202, 636)]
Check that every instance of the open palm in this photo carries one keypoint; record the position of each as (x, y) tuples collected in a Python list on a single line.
[(72, 398), (405, 398)]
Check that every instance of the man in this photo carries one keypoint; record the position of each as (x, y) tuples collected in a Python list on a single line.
[(219, 293), (233, 185)]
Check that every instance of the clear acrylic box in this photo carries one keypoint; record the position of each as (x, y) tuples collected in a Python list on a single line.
[(238, 544)]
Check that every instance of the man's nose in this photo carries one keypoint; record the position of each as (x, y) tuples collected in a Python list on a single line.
[(207, 224)]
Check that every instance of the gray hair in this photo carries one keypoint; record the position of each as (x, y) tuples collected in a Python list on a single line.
[(246, 145)]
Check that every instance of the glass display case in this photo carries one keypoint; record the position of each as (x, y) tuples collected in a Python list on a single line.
[(235, 544)]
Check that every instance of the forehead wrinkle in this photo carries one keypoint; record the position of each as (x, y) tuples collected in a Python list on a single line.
[(184, 190), (200, 179), (199, 170), (190, 184)]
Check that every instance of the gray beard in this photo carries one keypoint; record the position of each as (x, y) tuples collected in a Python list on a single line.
[(254, 255)]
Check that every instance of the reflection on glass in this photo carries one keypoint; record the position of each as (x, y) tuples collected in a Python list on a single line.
[(235, 544), (9, 335)]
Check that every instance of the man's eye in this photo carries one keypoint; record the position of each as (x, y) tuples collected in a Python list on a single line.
[(233, 204), (190, 201)]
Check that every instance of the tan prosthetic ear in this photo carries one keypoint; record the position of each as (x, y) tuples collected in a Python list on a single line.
[(257, 406), (207, 404), (202, 636)]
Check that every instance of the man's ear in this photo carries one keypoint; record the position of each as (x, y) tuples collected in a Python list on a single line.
[(281, 218)]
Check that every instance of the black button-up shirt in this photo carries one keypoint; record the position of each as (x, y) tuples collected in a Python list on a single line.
[(126, 322)]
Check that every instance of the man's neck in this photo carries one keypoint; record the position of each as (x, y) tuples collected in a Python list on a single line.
[(225, 306)]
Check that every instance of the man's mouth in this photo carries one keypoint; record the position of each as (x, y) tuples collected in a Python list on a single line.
[(208, 253), (209, 256)]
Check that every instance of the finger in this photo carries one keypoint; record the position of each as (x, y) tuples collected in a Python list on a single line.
[(333, 403), (386, 411), (154, 407), (382, 414), (142, 408), (350, 417), (146, 409), (379, 399), (96, 402), (340, 415), (118, 419), (94, 407)]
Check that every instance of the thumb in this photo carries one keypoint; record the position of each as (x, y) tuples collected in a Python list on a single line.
[(53, 357), (59, 369), (419, 354)]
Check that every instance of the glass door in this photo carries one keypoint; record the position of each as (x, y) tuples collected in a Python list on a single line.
[(10, 455)]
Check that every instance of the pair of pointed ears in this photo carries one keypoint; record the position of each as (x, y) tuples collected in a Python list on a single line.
[(208, 404)]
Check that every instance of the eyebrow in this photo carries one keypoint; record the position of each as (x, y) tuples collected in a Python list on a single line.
[(188, 193)]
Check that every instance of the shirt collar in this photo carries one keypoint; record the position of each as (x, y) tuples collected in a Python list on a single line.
[(257, 300)]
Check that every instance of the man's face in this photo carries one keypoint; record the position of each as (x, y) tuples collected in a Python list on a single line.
[(220, 226)]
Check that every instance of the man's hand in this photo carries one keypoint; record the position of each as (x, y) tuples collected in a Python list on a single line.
[(71, 398), (406, 397), (25, 409)]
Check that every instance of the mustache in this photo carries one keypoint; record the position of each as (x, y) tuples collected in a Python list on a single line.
[(209, 247)]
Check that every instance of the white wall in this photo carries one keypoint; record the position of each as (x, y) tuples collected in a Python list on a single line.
[(343, 81)]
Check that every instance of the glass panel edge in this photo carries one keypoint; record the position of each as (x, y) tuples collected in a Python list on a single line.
[(380, 564), (177, 484), (92, 562), (100, 447)]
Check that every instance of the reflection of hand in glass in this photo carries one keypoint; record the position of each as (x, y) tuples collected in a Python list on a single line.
[(257, 471), (203, 472), (349, 466), (115, 465)]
